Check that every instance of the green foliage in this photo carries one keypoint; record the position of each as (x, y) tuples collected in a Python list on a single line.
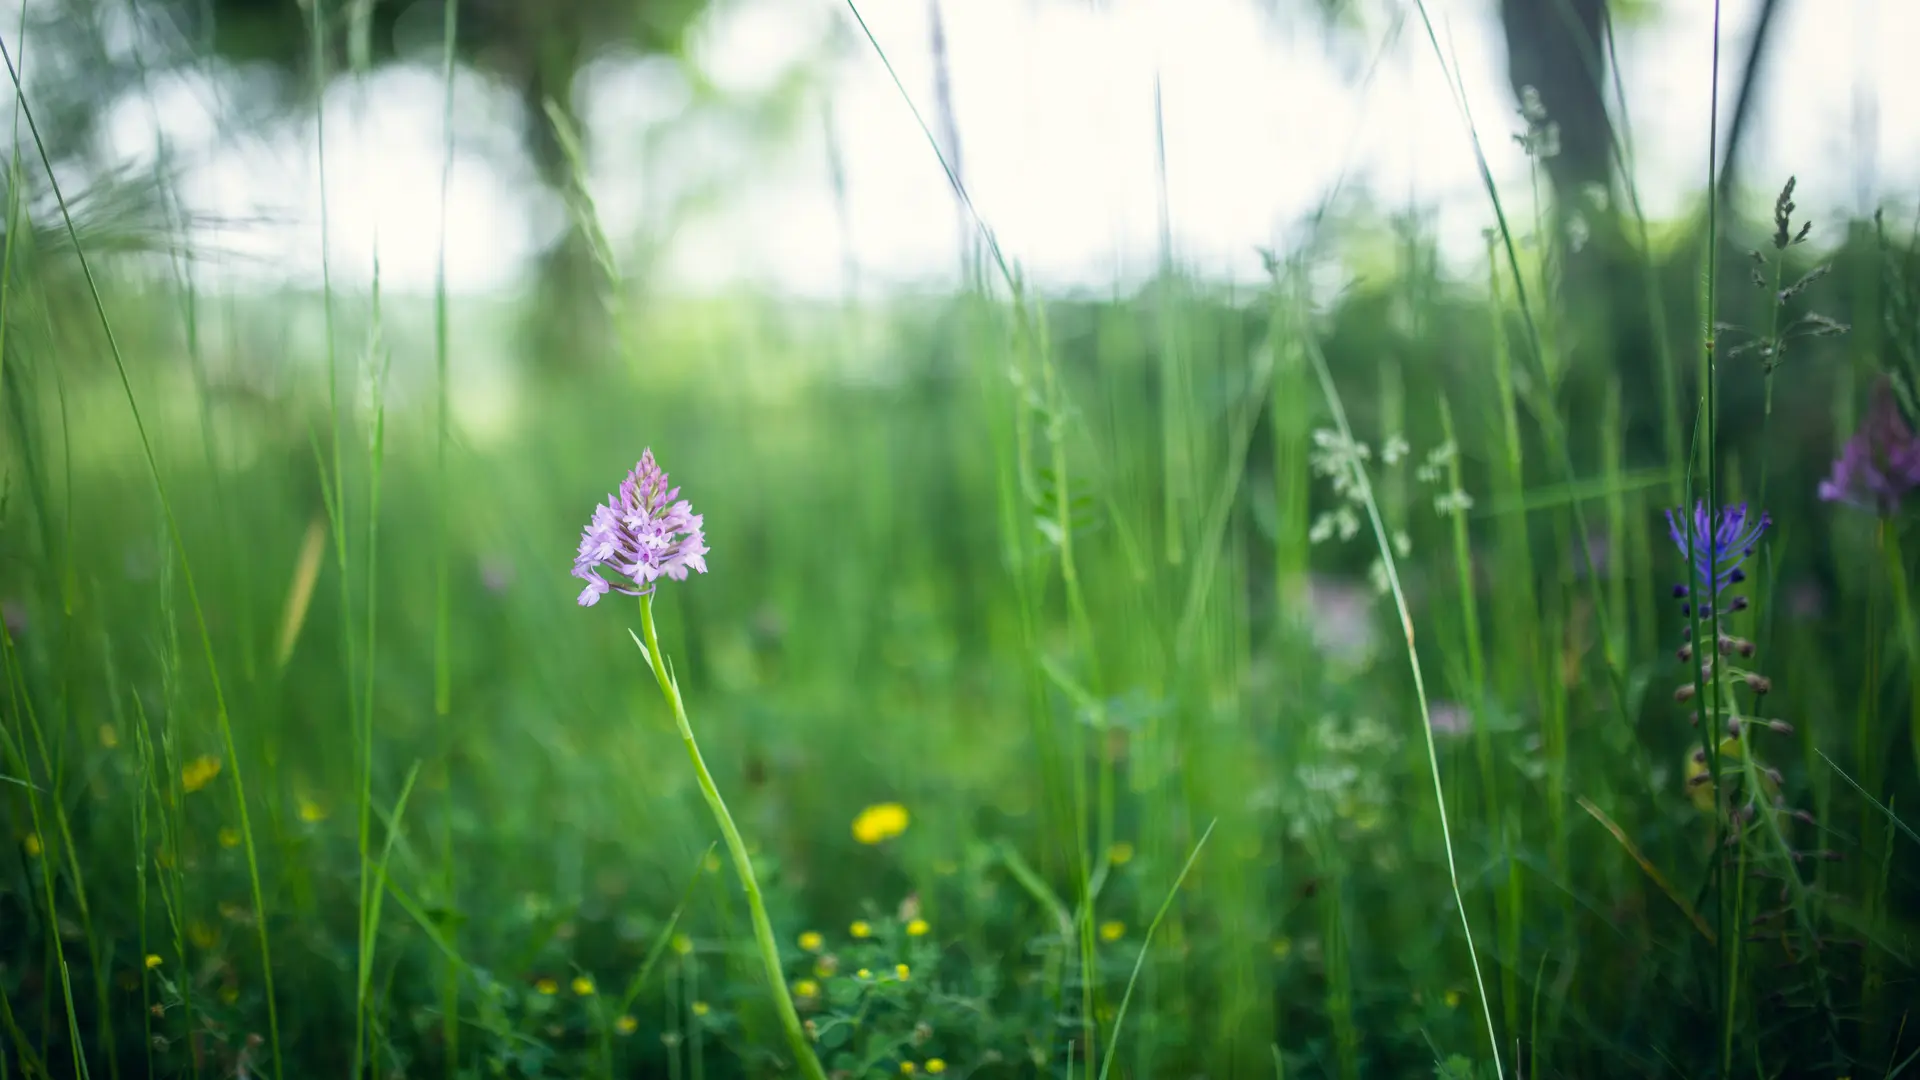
[(1164, 785)]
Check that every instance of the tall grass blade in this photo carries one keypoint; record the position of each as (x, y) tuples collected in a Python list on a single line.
[(1146, 943), (179, 550), (1384, 544)]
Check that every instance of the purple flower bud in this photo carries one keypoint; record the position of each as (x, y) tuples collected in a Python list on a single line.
[(1880, 465), (1450, 718), (496, 574)]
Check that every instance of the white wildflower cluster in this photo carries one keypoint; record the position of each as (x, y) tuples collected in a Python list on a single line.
[(1434, 468), (1364, 735), (1344, 786), (1437, 470), (1343, 522), (1342, 460), (1578, 229), (1378, 577), (1541, 140)]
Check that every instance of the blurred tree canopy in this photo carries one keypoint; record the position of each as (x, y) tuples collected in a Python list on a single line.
[(83, 57), (88, 54), (534, 46)]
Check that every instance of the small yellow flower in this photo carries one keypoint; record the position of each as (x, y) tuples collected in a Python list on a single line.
[(1282, 948), (711, 862), (1452, 998), (906, 1068), (546, 987), (811, 941), (806, 988), (863, 973), (882, 821), (860, 929), (936, 1066), (109, 738), (626, 1025), (229, 836), (229, 994), (312, 812), (1112, 930), (32, 845), (917, 928), (682, 944), (903, 971), (153, 961), (201, 935), (199, 772), (701, 1008), (1120, 854), (582, 986)]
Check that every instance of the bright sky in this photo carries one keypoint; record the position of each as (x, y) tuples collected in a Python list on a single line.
[(1055, 106)]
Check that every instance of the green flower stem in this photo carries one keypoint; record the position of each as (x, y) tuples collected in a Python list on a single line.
[(1909, 631), (762, 926)]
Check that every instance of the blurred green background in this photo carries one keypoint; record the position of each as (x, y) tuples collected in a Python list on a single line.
[(313, 766)]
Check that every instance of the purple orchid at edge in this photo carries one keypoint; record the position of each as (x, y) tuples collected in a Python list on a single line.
[(1880, 465), (647, 533)]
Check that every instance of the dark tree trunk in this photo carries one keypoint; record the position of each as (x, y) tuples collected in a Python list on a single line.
[(534, 46), (1743, 104), (567, 328), (1554, 47)]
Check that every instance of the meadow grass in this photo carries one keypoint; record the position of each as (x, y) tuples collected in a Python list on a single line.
[(1183, 683)]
